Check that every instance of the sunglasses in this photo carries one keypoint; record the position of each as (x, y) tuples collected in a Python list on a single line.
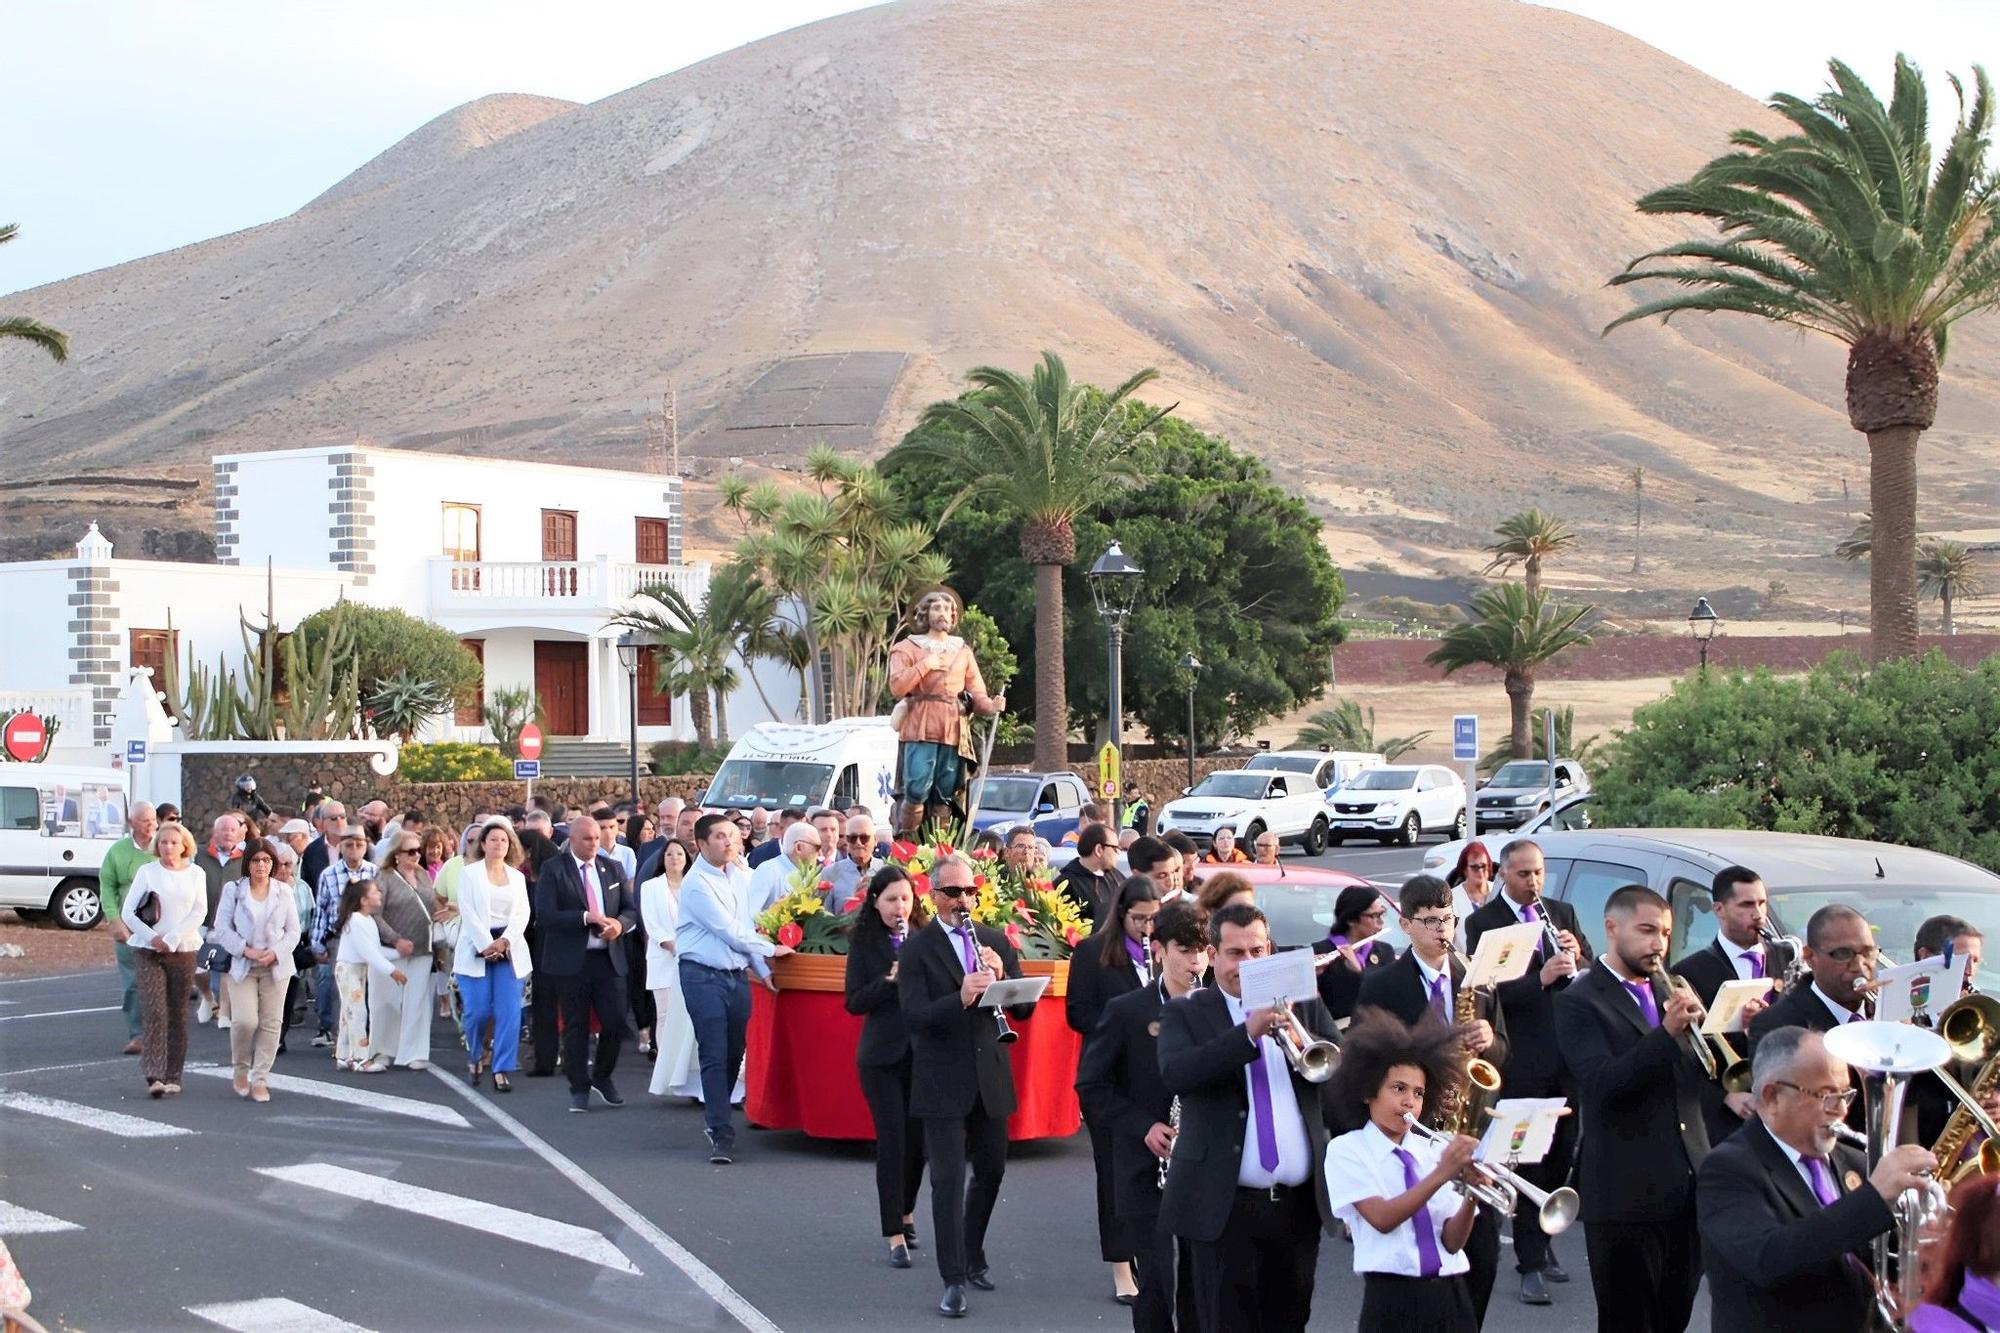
[(860, 837), (409, 851), (967, 892)]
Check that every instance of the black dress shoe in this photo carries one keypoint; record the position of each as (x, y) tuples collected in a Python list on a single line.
[(1126, 1298), (953, 1304), (981, 1279), (1555, 1272), (1534, 1291), (910, 1235), (899, 1256)]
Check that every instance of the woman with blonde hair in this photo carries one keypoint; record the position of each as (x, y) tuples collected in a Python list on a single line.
[(258, 923), (163, 910), (492, 954)]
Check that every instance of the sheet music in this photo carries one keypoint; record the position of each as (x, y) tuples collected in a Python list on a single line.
[(1278, 977), (1726, 1014), (1926, 986), (1504, 954), (1522, 1130)]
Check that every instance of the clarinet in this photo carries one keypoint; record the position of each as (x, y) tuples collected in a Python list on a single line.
[(1002, 1029)]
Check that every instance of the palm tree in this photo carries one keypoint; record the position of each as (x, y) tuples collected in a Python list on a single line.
[(51, 340), (1947, 571), (1344, 727), (698, 644), (1527, 539), (1567, 746), (1860, 543), (1514, 631), (1844, 228), (1048, 450)]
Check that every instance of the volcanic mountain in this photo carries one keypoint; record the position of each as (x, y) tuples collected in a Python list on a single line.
[(1367, 242)]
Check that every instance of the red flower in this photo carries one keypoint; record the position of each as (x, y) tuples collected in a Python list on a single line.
[(1013, 933), (986, 854), (945, 849), (1027, 912), (1070, 936), (790, 934), (901, 850), (825, 886), (855, 901), (979, 881), (920, 883)]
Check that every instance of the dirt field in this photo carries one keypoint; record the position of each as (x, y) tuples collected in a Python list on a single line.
[(49, 948)]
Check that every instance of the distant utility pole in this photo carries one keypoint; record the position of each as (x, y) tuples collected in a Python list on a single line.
[(663, 435), (1638, 515)]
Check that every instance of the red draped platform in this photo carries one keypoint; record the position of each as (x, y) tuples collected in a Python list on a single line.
[(800, 1069)]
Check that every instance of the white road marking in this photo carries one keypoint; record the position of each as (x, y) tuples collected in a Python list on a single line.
[(273, 1314), (89, 1117), (52, 976), (60, 1013), (710, 1281), (335, 1092), (492, 1218), (57, 1069), (18, 1221)]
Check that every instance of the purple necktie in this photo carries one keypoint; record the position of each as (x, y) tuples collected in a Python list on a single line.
[(1135, 951), (1427, 1245), (1642, 991), (1260, 1097), (1756, 961), (1438, 1005), (964, 934), (1530, 914), (1336, 940), (1822, 1180)]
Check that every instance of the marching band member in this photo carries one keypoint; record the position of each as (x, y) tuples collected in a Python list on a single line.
[(1963, 1295), (1783, 1209), (1965, 939), (1841, 957), (1928, 1105), (1245, 1186), (1388, 1183), (1625, 1036), (1534, 1066), (882, 1057), (1356, 936), (1119, 1083), (1424, 983), (1737, 953)]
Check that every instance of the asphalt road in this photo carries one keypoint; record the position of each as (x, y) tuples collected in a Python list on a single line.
[(427, 1206)]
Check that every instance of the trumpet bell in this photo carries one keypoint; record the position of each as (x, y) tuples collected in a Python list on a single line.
[(1736, 1078), (1887, 1048), (1558, 1210), (1971, 1028)]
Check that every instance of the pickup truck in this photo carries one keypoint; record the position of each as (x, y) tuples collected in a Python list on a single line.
[(1251, 803)]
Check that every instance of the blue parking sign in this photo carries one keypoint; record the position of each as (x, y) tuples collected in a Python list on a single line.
[(527, 770), (135, 752), (1465, 737)]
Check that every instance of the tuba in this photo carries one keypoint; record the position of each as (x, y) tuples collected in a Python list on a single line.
[(1971, 1028)]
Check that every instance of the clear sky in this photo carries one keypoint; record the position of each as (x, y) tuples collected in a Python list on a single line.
[(139, 126)]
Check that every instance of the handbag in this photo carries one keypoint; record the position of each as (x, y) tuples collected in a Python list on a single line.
[(148, 910), (213, 958)]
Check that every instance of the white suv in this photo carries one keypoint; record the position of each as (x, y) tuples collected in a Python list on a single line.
[(1399, 803), (1247, 803)]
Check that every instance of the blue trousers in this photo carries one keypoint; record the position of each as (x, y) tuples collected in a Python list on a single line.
[(326, 997), (930, 772), (495, 997), (718, 1004), (130, 980)]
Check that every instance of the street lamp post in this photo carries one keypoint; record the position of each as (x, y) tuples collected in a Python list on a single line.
[(1114, 586), (1702, 624), (1190, 669), (628, 657)]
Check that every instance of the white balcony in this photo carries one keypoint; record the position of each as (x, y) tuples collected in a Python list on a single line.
[(574, 591)]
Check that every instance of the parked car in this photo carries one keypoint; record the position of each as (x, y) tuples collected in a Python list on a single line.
[(1051, 802), (1297, 900), (1328, 768), (1569, 816), (56, 823), (1251, 803), (1398, 803), (1519, 791)]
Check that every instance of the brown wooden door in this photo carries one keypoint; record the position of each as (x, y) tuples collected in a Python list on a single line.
[(562, 686), (656, 706), (559, 544)]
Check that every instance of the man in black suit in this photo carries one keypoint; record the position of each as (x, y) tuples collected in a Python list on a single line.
[(1119, 1083), (330, 818), (961, 1083), (1784, 1211), (1840, 958), (1625, 1036), (1737, 953), (1424, 983), (1247, 1186), (1091, 880), (1534, 1065), (582, 906)]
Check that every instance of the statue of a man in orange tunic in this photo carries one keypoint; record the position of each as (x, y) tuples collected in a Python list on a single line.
[(928, 672)]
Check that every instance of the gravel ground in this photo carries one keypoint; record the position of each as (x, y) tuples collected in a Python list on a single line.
[(48, 948)]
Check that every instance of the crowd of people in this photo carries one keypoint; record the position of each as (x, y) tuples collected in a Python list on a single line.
[(1221, 1156)]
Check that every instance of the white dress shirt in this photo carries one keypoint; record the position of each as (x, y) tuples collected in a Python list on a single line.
[(1842, 1015), (1294, 1146), (772, 881), (714, 925), (1798, 1161), (1430, 976), (1739, 957), (1362, 1164)]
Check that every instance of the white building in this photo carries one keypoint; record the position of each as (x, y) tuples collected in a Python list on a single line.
[(525, 562)]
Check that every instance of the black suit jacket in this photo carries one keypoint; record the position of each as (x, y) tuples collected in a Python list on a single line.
[(1707, 968), (1535, 1064), (1799, 1007), (1774, 1257), (1093, 983), (1639, 1096), (1119, 1084), (958, 1058), (1399, 988), (1339, 984), (559, 907), (1202, 1055), (315, 858), (885, 1037)]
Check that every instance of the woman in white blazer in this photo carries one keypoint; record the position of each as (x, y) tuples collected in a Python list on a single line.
[(163, 910), (676, 1063), (492, 954), (257, 921)]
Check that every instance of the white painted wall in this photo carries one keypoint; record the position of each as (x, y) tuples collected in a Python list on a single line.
[(281, 507), (205, 601), (34, 650)]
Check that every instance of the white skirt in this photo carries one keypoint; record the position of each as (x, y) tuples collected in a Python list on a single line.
[(676, 1062)]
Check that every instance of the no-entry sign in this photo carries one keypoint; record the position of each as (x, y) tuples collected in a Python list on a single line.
[(25, 736), (530, 743)]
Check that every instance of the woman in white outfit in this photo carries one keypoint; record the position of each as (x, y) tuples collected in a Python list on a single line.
[(360, 953), (491, 959), (257, 921), (163, 910), (676, 1063)]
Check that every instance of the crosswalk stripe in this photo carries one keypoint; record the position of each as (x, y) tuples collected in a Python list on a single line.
[(272, 1314), (335, 1092), (494, 1219), (59, 1013), (89, 1117), (18, 1221)]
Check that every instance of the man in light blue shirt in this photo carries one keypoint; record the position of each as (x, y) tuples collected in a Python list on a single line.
[(855, 865), (717, 946)]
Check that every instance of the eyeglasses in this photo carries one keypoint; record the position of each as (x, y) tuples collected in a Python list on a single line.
[(1867, 953), (1834, 1103), (860, 837), (1479, 868), (409, 851), (1442, 921), (1379, 914)]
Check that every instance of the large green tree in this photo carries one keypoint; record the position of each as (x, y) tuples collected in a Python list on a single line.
[(51, 340), (1234, 573), (1845, 227), (736, 623), (1515, 632), (1047, 451), (388, 644)]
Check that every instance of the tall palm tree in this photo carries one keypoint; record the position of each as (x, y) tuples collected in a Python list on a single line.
[(699, 647), (1515, 631), (1948, 571), (1860, 543), (1049, 450), (1845, 228), (1345, 727), (51, 340), (1527, 539)]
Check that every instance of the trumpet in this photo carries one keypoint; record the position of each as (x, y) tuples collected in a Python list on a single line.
[(1554, 1209), (1314, 1057), (1733, 1072)]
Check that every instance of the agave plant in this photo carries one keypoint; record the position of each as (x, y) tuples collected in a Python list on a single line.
[(401, 704)]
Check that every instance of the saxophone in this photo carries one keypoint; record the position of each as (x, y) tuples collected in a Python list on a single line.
[(1972, 1027), (1463, 1106)]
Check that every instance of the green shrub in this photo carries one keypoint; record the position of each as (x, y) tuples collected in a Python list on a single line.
[(453, 761), (388, 642), (673, 758)]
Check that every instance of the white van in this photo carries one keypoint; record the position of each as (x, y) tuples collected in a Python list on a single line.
[(56, 823), (835, 764)]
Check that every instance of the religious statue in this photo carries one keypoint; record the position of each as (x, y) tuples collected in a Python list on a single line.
[(928, 673)]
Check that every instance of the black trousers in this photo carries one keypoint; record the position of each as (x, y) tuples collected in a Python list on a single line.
[(958, 1215), (1258, 1278), (1112, 1244), (1161, 1262), (1531, 1243), (1391, 1303), (543, 1006), (1482, 1251), (899, 1142), (1644, 1274), (600, 990)]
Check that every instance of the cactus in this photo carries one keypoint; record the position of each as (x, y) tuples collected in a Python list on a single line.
[(325, 689)]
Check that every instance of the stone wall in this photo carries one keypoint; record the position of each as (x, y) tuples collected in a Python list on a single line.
[(454, 802), (208, 780)]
